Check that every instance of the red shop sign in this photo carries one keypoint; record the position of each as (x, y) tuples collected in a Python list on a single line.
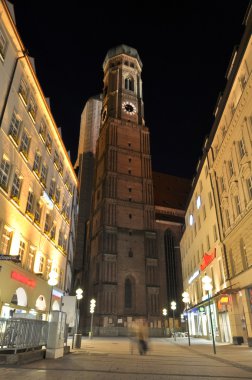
[(21, 278), (207, 259)]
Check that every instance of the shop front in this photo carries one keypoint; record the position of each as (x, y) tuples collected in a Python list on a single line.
[(22, 294)]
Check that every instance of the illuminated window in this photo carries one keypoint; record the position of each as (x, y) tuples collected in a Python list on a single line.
[(29, 206), (37, 215), (37, 163), (4, 173), (56, 158), (25, 144), (41, 264), (30, 262), (15, 127), (6, 241), (48, 143), (21, 250), (3, 45), (249, 187), (52, 189), (32, 108), (43, 174), (23, 90), (42, 130), (47, 223), (57, 196), (242, 149), (16, 186), (231, 168), (53, 232), (237, 205)]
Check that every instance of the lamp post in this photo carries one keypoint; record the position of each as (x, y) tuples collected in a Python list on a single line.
[(52, 281), (206, 280), (164, 311), (186, 300), (79, 296), (173, 307), (92, 308)]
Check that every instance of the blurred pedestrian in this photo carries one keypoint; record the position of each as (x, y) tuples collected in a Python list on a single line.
[(143, 336), (132, 334)]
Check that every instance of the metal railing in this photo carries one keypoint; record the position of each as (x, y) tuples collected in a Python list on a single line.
[(22, 334)]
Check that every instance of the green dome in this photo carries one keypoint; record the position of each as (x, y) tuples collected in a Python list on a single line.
[(122, 49)]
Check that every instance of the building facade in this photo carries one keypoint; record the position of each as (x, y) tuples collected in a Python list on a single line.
[(38, 185), (225, 173), (85, 164)]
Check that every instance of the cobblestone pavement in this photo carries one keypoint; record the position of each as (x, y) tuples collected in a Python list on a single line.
[(111, 358)]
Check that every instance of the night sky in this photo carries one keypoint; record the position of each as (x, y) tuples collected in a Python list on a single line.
[(185, 50)]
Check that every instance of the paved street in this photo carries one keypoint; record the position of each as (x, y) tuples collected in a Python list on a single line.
[(110, 359)]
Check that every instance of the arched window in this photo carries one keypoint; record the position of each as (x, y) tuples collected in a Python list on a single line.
[(128, 294), (129, 84)]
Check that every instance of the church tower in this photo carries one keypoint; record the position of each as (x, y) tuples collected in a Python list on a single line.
[(124, 264)]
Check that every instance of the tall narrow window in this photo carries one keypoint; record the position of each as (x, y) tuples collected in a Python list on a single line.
[(3, 45), (6, 241), (21, 251), (249, 187), (243, 254), (232, 263), (237, 205), (37, 216), (43, 175), (42, 130), (129, 84), (25, 143), (128, 293), (37, 163), (15, 127), (23, 90), (32, 108), (242, 149), (227, 218), (4, 173), (29, 206), (231, 168), (16, 187)]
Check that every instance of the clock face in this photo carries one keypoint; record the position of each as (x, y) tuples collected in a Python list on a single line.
[(129, 108)]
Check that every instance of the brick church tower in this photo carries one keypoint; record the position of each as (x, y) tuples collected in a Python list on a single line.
[(125, 272)]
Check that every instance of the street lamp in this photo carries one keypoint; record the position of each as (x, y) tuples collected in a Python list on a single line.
[(164, 311), (52, 281), (92, 307), (186, 300), (79, 296), (206, 280), (173, 307)]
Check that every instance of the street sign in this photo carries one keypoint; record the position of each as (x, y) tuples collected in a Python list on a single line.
[(15, 259)]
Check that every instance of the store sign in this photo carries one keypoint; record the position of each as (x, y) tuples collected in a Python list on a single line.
[(224, 300), (202, 309), (21, 278), (15, 259), (207, 259)]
